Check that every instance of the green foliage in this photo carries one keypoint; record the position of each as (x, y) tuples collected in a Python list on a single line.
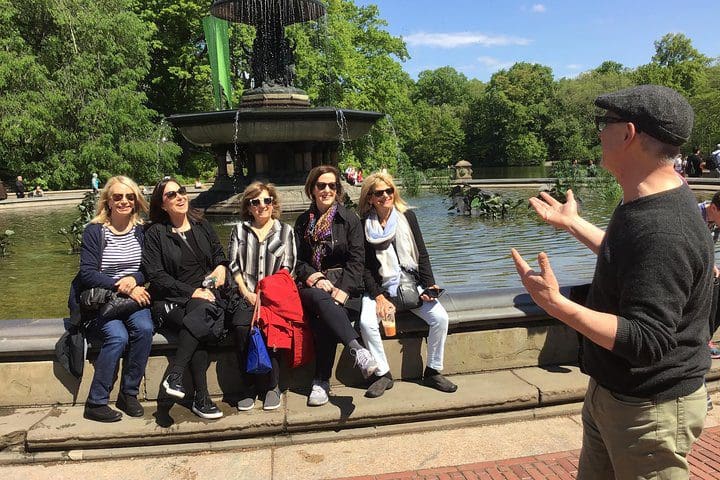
[(477, 202), (410, 178), (5, 242), (70, 103), (442, 86), (73, 234)]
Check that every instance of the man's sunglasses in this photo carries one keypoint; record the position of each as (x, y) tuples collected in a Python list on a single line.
[(387, 191), (116, 197), (602, 121), (255, 202), (322, 186), (174, 193)]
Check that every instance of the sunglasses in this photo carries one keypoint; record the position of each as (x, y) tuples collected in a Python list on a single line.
[(387, 191), (255, 202), (602, 121), (116, 197), (174, 193), (322, 186)]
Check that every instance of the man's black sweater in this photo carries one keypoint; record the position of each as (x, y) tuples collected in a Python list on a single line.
[(654, 271)]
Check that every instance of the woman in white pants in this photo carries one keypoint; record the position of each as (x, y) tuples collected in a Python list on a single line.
[(394, 246)]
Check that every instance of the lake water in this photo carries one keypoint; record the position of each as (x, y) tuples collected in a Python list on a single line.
[(467, 253)]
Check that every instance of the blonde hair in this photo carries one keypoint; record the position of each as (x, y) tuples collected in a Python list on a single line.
[(368, 187), (102, 210), (254, 190)]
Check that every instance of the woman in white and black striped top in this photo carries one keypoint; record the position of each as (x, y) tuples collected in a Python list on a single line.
[(110, 259), (260, 245)]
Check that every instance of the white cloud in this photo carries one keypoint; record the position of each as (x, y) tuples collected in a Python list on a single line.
[(462, 39), (493, 64), (538, 8), (574, 66)]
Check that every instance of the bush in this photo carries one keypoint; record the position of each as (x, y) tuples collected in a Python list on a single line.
[(73, 234)]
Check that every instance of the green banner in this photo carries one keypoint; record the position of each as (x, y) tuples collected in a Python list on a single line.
[(218, 45)]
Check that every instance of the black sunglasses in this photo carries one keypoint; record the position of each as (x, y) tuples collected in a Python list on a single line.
[(255, 202), (116, 197), (387, 191), (322, 186), (174, 193), (602, 121)]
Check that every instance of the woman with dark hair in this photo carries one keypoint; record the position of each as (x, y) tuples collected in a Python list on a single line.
[(185, 264), (110, 260), (260, 246), (393, 244), (330, 268)]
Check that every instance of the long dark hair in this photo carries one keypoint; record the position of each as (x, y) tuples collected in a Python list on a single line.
[(157, 214)]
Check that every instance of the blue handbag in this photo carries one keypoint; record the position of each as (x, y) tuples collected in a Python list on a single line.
[(258, 360)]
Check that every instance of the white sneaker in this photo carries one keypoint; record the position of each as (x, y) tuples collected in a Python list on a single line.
[(318, 394), (364, 361)]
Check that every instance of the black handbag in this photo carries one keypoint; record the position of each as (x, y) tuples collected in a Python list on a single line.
[(107, 303), (407, 296)]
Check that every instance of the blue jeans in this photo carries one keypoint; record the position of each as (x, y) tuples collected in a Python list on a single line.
[(136, 335)]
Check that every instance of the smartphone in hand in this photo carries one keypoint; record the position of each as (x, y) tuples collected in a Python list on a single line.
[(433, 292)]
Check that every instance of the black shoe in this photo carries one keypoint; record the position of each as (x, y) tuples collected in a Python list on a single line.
[(130, 405), (101, 413), (379, 386), (434, 379), (173, 385), (204, 407)]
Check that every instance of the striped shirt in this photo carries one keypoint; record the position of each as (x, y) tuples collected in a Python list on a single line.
[(121, 255), (255, 259)]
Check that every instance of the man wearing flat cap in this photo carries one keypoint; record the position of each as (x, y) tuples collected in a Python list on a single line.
[(644, 326)]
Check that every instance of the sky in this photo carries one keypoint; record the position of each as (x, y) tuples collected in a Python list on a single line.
[(480, 37)]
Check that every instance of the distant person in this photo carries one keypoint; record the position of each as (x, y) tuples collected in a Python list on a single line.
[(359, 177), (198, 184), (19, 187), (644, 324), (95, 183), (693, 165), (679, 164), (592, 169), (713, 162), (38, 192)]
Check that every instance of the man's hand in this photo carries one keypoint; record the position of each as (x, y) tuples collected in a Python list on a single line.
[(543, 287), (559, 215)]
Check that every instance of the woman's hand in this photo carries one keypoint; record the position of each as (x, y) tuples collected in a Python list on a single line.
[(220, 275), (141, 296), (325, 284), (203, 293), (126, 284), (251, 298), (383, 306), (428, 298)]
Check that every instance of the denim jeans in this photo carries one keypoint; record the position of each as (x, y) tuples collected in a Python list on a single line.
[(433, 313), (134, 334), (635, 438)]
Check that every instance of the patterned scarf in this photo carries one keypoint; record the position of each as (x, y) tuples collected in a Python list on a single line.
[(319, 234)]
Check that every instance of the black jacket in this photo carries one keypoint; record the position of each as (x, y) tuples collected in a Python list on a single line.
[(373, 282), (347, 251), (162, 256)]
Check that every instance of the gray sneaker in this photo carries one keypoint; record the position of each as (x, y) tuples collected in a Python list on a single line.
[(364, 361), (245, 404), (318, 394), (272, 399)]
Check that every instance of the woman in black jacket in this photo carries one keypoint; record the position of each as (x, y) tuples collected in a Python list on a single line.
[(330, 266), (185, 264), (394, 245)]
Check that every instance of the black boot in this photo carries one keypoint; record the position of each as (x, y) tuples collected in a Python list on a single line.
[(101, 413), (130, 405), (378, 387), (434, 379)]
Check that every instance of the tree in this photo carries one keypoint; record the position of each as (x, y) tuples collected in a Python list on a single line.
[(78, 109), (441, 86)]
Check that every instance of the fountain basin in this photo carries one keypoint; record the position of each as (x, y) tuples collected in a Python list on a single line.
[(266, 125)]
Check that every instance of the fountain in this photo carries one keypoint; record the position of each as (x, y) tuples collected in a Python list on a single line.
[(275, 134)]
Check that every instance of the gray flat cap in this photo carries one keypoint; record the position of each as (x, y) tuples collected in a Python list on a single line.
[(661, 112)]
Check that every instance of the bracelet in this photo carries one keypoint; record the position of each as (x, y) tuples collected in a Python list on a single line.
[(316, 281)]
